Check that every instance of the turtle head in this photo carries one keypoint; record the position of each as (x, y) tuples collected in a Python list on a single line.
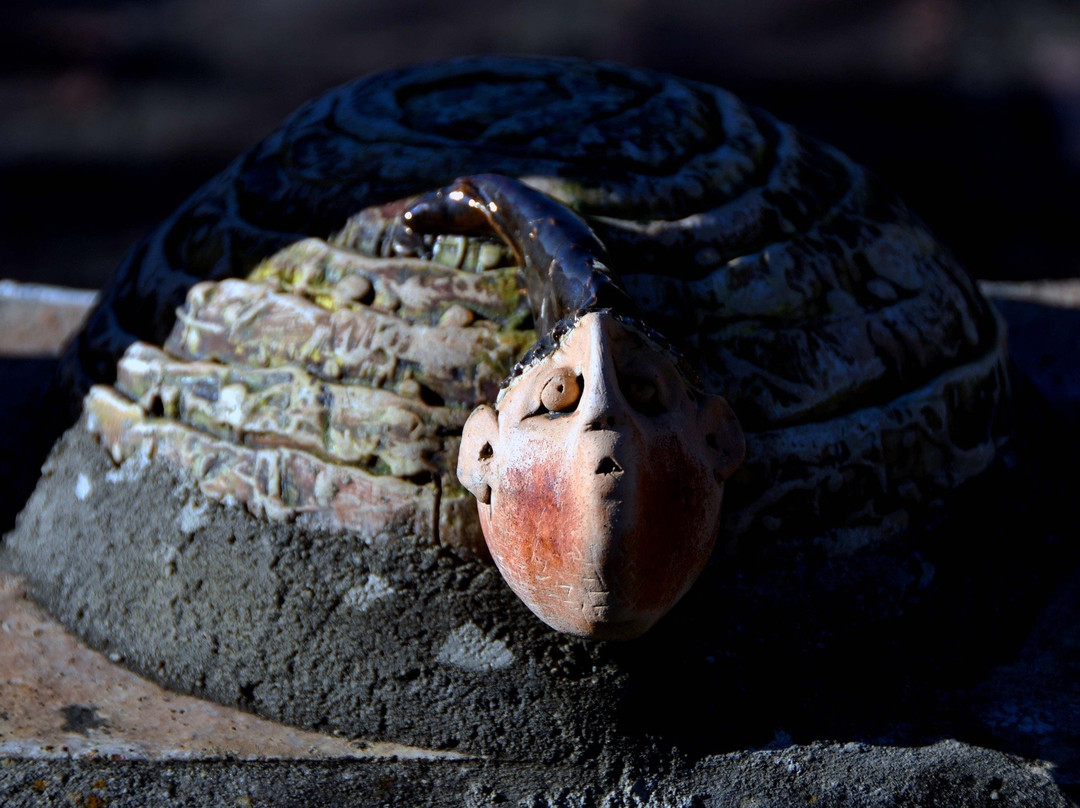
[(599, 475)]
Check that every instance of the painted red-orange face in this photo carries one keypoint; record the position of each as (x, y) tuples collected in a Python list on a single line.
[(600, 481)]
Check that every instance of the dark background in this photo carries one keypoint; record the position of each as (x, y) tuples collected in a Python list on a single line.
[(111, 113)]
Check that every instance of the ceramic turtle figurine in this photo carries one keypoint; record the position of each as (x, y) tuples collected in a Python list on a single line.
[(862, 361), (329, 319)]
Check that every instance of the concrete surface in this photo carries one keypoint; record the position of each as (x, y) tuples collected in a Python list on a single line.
[(116, 739)]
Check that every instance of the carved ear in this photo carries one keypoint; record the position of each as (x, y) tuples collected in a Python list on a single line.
[(476, 457), (723, 436)]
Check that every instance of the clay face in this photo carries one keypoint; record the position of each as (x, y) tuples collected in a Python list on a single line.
[(600, 477)]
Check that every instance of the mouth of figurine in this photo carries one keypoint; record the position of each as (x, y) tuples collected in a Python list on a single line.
[(613, 478)]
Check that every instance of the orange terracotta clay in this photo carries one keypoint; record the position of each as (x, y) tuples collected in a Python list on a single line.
[(599, 476)]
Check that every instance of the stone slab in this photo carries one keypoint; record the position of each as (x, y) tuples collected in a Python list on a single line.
[(89, 733), (37, 320), (60, 699), (35, 323), (852, 775), (1044, 340), (125, 747), (80, 730)]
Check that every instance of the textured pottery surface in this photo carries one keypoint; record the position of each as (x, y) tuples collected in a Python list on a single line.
[(325, 393), (862, 361)]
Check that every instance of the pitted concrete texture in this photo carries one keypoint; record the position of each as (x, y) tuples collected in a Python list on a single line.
[(396, 640), (75, 728), (60, 699), (945, 775)]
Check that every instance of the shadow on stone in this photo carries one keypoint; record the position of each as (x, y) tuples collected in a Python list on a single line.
[(32, 422), (887, 646)]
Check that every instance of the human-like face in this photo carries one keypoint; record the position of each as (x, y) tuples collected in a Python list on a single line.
[(600, 481)]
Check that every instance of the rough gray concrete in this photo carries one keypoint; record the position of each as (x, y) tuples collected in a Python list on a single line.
[(399, 641), (77, 729), (396, 640), (949, 652), (946, 774), (60, 699), (929, 639)]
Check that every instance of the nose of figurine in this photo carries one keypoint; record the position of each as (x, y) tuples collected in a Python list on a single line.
[(602, 405)]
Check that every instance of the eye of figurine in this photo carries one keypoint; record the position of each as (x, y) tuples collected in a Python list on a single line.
[(561, 392), (642, 394)]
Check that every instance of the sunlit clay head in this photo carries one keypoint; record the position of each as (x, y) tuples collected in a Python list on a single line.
[(599, 477)]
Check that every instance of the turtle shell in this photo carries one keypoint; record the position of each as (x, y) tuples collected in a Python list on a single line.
[(862, 361), (864, 365)]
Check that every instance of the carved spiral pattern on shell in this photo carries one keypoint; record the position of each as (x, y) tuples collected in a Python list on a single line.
[(860, 358)]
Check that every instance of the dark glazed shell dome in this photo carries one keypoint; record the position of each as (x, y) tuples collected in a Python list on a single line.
[(860, 357)]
